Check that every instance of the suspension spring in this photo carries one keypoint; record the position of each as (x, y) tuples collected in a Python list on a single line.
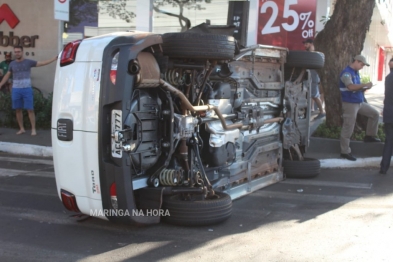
[(174, 76), (170, 177)]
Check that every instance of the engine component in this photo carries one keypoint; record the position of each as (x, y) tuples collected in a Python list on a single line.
[(144, 135), (255, 116), (220, 156), (220, 91), (185, 125), (223, 105), (187, 105), (219, 136), (147, 69), (133, 67), (225, 70)]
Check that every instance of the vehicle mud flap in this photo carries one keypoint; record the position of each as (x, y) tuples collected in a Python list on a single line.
[(150, 199), (80, 217), (290, 134)]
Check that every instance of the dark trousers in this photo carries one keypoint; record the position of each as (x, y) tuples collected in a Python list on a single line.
[(388, 147)]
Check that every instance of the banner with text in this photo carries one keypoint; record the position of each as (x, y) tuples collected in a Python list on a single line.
[(62, 10), (286, 23)]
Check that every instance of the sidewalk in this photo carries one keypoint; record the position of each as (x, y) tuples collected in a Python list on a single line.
[(25, 144), (327, 150)]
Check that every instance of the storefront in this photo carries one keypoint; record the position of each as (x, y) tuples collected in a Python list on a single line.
[(32, 25)]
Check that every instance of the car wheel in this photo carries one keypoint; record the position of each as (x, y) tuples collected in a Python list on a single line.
[(197, 212), (307, 168), (198, 46), (305, 59)]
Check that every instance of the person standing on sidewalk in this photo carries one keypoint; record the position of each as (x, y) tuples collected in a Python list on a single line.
[(4, 65), (388, 121), (353, 102), (22, 92), (315, 81)]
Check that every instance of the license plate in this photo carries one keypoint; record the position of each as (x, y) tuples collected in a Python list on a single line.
[(117, 124)]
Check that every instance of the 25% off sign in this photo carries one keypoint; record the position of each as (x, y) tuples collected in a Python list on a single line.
[(286, 22)]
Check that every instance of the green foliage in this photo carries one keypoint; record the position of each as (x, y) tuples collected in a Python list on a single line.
[(334, 132), (324, 131), (42, 109), (189, 4), (324, 19), (381, 133), (6, 113), (364, 78), (117, 9)]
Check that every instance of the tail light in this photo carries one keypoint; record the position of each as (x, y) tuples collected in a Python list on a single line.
[(113, 196), (69, 53), (113, 72), (112, 76), (69, 201)]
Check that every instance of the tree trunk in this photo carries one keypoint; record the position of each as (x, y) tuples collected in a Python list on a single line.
[(340, 41), (187, 23)]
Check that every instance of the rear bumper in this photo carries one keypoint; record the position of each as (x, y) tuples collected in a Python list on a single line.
[(118, 97), (84, 166), (76, 168)]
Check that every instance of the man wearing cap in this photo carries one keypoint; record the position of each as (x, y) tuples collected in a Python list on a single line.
[(309, 46), (352, 96), (4, 69), (388, 121)]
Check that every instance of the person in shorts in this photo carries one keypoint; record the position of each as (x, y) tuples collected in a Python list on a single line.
[(315, 81), (22, 92)]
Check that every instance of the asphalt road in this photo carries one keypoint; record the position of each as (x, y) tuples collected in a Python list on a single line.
[(342, 215)]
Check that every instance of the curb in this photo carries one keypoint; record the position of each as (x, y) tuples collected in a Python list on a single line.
[(46, 151), (330, 148), (344, 163), (26, 149)]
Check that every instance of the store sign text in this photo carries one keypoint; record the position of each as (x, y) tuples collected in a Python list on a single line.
[(7, 15), (13, 40)]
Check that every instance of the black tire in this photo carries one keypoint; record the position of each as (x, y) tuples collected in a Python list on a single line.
[(197, 213), (198, 46), (308, 168), (305, 59)]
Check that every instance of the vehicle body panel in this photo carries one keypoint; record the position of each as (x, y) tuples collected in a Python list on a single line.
[(130, 134)]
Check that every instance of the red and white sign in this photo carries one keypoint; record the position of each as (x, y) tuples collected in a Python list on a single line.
[(7, 15), (62, 10), (286, 23)]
